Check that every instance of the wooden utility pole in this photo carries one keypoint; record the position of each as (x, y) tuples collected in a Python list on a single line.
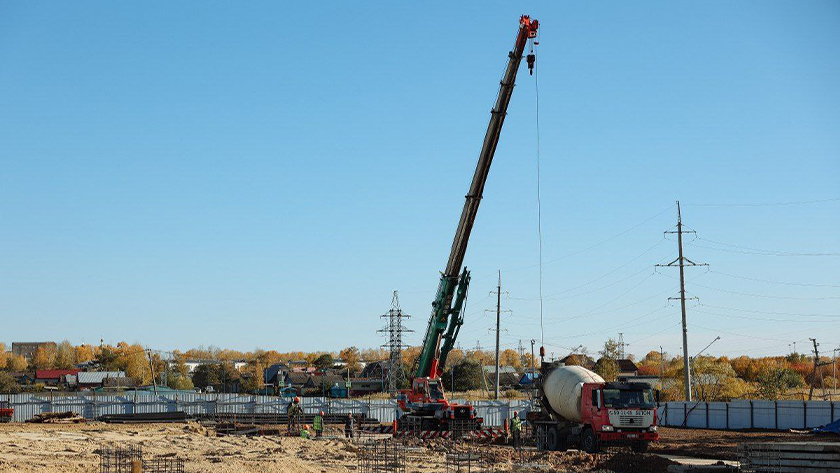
[(817, 371), (682, 262)]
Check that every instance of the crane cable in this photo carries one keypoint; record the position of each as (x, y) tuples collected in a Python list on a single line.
[(539, 203)]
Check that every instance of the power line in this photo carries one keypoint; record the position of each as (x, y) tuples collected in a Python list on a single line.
[(772, 282), (770, 312), (568, 255), (764, 295), (755, 251), (768, 204)]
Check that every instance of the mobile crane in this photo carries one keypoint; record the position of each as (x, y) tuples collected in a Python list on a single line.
[(425, 404)]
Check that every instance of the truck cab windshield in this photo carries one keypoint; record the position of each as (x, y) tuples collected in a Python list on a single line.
[(622, 398), (434, 391)]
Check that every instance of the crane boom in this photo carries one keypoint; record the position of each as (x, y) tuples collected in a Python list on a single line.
[(447, 318)]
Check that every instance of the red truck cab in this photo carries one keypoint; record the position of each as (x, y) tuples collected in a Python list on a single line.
[(619, 413)]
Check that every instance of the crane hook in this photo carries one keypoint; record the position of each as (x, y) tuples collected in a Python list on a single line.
[(531, 58)]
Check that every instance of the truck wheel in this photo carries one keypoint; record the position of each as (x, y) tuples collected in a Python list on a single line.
[(540, 437), (552, 439), (589, 442), (640, 447)]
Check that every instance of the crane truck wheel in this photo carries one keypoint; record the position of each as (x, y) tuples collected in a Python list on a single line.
[(588, 441), (552, 439)]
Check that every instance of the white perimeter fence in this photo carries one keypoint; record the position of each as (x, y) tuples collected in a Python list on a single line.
[(93, 405), (744, 414)]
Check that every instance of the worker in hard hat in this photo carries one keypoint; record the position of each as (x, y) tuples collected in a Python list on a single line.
[(349, 426), (516, 431), (318, 424), (294, 412)]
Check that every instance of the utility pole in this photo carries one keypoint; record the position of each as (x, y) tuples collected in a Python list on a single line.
[(152, 368), (682, 261), (498, 293), (834, 373), (498, 322), (817, 370), (532, 356), (661, 365)]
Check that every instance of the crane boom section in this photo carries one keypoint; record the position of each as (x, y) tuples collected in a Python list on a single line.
[(445, 318)]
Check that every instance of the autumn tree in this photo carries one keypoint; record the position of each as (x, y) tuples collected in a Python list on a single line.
[(324, 361), (775, 382), (467, 375), (510, 357), (607, 365), (65, 355), (352, 359), (44, 357), (8, 384), (83, 353), (16, 363)]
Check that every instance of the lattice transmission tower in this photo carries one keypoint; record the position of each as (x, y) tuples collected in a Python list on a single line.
[(395, 377)]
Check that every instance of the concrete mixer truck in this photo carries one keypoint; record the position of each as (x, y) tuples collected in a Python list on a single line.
[(577, 408)]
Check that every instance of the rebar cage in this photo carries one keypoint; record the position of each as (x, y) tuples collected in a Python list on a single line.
[(129, 459), (384, 456)]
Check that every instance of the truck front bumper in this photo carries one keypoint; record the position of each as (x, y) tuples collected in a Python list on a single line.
[(628, 436)]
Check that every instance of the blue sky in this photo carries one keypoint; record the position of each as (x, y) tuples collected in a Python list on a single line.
[(266, 175)]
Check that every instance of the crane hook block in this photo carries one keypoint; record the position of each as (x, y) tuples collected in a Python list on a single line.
[(531, 58)]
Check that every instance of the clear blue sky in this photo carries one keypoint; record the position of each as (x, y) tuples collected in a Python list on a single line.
[(266, 174)]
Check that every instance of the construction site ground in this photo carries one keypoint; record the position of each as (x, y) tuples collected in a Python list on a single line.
[(72, 448)]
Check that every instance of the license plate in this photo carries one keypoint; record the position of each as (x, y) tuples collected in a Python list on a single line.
[(631, 436)]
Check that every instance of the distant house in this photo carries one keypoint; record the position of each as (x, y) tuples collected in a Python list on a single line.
[(276, 372), (28, 349), (300, 381), (193, 364), (96, 379), (364, 386), (508, 377), (375, 369), (53, 377), (627, 368)]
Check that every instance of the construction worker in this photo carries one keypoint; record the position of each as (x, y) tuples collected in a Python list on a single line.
[(516, 430), (349, 426), (294, 411), (318, 424)]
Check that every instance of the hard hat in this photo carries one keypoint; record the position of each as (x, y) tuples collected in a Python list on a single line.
[(297, 399), (515, 414), (322, 412)]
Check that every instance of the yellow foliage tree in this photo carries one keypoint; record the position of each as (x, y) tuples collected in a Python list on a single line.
[(510, 357), (44, 358), (84, 353), (65, 355)]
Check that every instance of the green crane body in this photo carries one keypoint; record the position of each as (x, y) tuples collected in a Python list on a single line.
[(447, 309)]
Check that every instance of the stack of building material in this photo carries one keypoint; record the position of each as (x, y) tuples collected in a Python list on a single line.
[(57, 418), (784, 457)]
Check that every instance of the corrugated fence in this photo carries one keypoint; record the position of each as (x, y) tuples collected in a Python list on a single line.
[(749, 414), (742, 414), (93, 405)]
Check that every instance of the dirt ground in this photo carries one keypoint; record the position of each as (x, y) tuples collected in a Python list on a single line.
[(72, 448), (722, 445)]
